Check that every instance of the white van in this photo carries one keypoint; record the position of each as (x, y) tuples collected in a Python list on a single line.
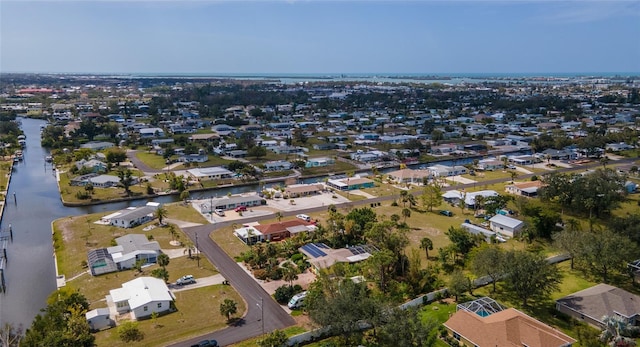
[(297, 300), (304, 217)]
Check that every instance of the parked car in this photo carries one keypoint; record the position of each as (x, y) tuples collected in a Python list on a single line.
[(304, 217), (219, 212), (446, 213), (297, 300), (186, 279), (206, 343), (241, 208)]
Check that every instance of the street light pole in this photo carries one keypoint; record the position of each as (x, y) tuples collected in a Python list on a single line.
[(261, 313), (197, 251)]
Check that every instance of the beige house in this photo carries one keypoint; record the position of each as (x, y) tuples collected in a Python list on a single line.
[(488, 324)]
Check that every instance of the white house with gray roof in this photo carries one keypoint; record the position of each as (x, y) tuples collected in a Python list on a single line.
[(132, 216), (132, 248), (210, 173)]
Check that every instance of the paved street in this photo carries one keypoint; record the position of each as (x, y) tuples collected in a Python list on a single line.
[(252, 325)]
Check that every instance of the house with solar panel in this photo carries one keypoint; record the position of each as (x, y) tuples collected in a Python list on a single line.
[(321, 256), (486, 323)]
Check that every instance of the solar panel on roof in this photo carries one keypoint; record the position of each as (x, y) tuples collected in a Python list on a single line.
[(321, 245)]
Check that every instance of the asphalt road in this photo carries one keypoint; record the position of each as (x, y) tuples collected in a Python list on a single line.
[(274, 316), (252, 323)]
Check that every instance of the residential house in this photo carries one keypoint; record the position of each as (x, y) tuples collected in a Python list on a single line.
[(93, 165), (282, 230), (592, 304), (444, 149), (321, 256), (278, 165), (133, 216), (506, 226), (237, 153), (439, 170), (249, 234), (231, 202), (132, 248), (193, 158), (528, 189), (319, 162), (486, 323), (141, 297), (409, 176), (300, 190), (98, 181), (97, 145), (210, 173), (147, 133), (490, 165), (351, 183)]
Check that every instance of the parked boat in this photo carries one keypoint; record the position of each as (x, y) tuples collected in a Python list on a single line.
[(48, 159)]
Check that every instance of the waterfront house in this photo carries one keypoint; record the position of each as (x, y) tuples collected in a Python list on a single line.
[(351, 183), (140, 297), (133, 216), (299, 190), (409, 176), (93, 165), (279, 165), (210, 173), (319, 162), (193, 158), (231, 202), (132, 248), (97, 145)]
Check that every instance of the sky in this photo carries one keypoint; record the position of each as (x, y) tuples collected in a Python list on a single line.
[(319, 37)]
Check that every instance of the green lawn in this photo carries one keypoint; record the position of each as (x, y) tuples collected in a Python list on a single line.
[(68, 192), (184, 212), (198, 313), (230, 243), (151, 159)]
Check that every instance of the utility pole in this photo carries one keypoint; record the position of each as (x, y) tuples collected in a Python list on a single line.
[(197, 251)]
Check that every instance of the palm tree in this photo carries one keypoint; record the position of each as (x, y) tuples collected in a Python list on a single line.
[(289, 272), (279, 215), (427, 245), (403, 196), (405, 214), (160, 213), (228, 307), (163, 260), (604, 161), (514, 175), (189, 248), (617, 332), (172, 232)]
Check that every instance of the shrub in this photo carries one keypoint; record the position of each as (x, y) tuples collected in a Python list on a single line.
[(80, 195), (260, 274), (297, 257), (534, 178), (284, 293), (129, 331)]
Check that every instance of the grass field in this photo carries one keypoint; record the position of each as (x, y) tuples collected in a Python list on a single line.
[(184, 212), (198, 313), (339, 166), (228, 242), (151, 159)]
